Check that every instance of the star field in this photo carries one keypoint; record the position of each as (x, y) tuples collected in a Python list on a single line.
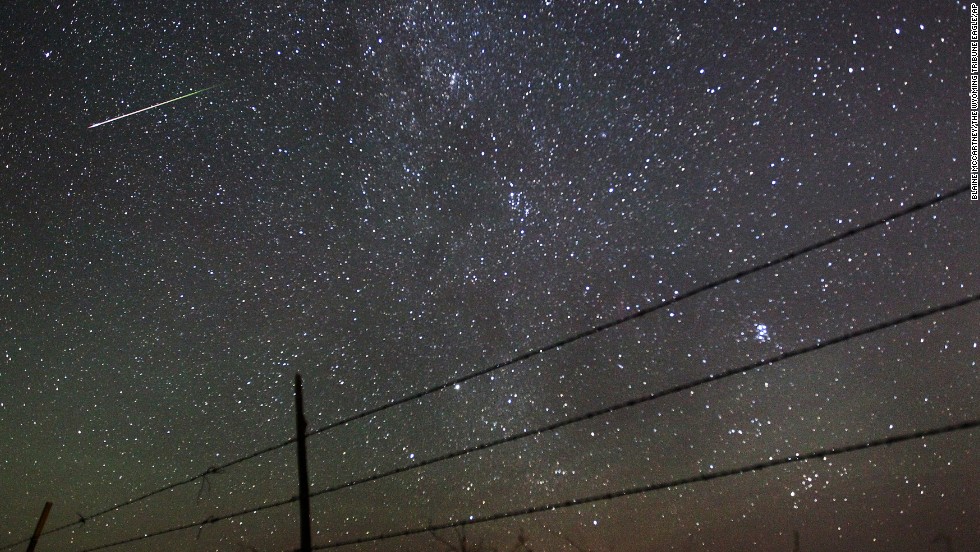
[(387, 195)]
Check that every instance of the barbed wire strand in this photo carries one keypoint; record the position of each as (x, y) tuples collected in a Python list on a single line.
[(531, 353), (648, 310), (682, 387), (200, 524), (760, 466), (166, 488), (654, 396)]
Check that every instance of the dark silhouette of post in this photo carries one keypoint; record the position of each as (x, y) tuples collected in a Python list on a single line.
[(796, 540), (40, 527), (305, 538)]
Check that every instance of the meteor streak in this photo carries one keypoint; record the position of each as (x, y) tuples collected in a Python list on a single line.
[(152, 106)]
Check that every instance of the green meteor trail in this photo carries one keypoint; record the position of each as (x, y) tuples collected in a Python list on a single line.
[(152, 106)]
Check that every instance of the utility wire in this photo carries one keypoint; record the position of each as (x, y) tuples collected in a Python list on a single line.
[(529, 354), (626, 404), (823, 453)]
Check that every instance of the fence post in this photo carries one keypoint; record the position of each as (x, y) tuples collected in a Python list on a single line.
[(305, 538), (40, 527)]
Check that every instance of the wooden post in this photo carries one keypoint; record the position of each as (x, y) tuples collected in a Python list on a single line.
[(305, 537), (40, 527)]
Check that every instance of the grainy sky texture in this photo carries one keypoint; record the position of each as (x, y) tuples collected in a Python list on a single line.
[(385, 195)]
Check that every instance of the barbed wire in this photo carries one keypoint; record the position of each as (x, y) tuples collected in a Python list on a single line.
[(198, 524), (718, 376), (527, 355), (820, 344), (760, 466), (647, 310), (209, 471)]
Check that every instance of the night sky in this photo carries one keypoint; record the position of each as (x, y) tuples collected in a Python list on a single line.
[(387, 195)]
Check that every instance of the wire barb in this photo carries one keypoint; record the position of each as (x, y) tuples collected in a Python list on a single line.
[(205, 488), (203, 523)]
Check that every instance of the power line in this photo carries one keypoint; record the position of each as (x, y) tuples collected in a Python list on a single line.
[(529, 354), (626, 404), (824, 453)]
